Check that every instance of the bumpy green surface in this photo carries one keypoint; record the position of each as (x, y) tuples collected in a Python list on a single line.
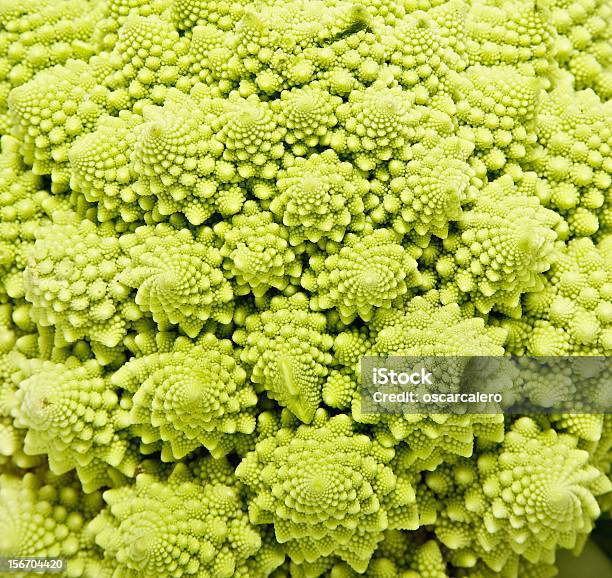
[(210, 211)]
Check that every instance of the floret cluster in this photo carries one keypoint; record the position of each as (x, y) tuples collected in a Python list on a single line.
[(210, 210)]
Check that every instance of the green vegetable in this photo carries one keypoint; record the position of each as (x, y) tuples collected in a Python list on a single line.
[(211, 211)]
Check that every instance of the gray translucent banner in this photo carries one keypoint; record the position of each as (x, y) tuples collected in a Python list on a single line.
[(460, 385)]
